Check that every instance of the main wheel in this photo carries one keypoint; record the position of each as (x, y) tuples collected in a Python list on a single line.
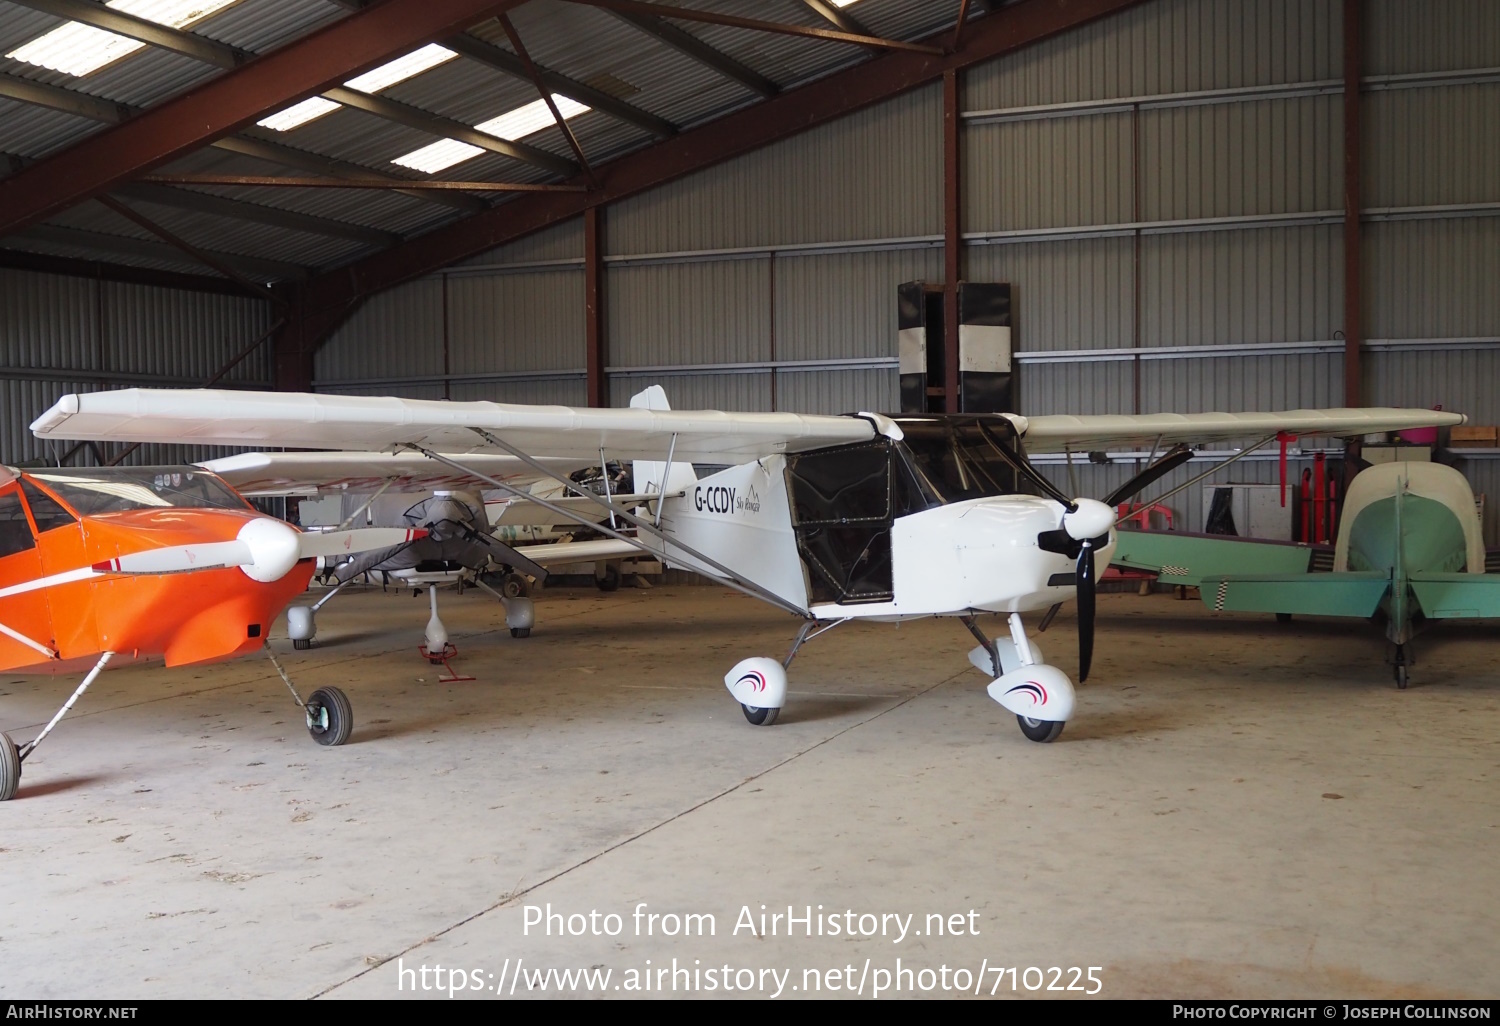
[(1401, 678), (760, 717), (330, 718), (520, 632), (610, 581), (301, 644), (1040, 730), (10, 768)]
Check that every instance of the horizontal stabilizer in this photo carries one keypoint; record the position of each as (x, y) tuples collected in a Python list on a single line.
[(1457, 596), (1340, 594), (1190, 558)]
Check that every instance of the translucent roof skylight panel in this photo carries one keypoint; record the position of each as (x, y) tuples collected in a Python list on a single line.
[(298, 114), (78, 49), (402, 68), (437, 156)]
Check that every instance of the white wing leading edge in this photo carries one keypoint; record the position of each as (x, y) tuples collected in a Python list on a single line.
[(378, 424), (1056, 432)]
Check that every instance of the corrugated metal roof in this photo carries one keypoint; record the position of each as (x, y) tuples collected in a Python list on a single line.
[(585, 44)]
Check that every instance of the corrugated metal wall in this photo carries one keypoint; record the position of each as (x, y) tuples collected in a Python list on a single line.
[(63, 334), (1193, 203)]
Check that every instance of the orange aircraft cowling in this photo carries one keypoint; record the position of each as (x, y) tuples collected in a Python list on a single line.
[(147, 615)]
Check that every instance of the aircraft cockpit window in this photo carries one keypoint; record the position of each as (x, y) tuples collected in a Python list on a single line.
[(45, 510), (955, 460), (15, 531), (115, 489)]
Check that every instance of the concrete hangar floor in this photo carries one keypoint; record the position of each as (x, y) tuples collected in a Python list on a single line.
[(1240, 808)]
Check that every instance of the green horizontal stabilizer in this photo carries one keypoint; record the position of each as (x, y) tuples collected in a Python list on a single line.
[(1190, 558), (1341, 594), (1457, 596)]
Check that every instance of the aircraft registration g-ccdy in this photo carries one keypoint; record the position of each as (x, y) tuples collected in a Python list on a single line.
[(831, 518)]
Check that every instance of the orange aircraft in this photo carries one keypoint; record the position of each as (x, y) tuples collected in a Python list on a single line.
[(150, 561)]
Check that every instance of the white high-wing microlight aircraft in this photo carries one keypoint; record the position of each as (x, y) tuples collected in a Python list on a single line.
[(831, 518)]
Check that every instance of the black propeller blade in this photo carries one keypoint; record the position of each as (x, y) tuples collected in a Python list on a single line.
[(1173, 459), (1085, 583)]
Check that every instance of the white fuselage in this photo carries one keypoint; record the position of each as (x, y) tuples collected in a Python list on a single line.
[(979, 555)]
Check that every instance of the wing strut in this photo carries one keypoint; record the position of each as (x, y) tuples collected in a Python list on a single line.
[(1211, 471), (732, 579)]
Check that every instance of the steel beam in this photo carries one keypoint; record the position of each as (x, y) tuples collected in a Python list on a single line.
[(238, 210), (1353, 375), (508, 63), (251, 145), (596, 344), (66, 100), (434, 124), (219, 107), (109, 112), (98, 270), (328, 299), (755, 24), (837, 16), (188, 44), (287, 182), (691, 46), (57, 235), (953, 238)]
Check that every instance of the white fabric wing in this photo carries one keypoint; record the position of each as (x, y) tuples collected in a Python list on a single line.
[(259, 474), (1056, 432), (375, 424)]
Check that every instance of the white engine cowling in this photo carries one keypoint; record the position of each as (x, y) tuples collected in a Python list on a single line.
[(1038, 692), (758, 682), (1010, 659)]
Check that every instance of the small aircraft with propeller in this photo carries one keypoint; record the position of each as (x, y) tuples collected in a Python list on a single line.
[(830, 518), (1409, 550), (460, 547), (150, 561)]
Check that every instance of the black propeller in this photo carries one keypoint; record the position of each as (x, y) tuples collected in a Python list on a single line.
[(1170, 461), (1085, 581), (1086, 578)]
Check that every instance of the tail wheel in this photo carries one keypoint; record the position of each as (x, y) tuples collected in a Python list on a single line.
[(758, 716), (1041, 731), (330, 717), (10, 768)]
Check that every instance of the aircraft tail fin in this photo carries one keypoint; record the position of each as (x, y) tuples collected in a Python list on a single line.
[(648, 475)]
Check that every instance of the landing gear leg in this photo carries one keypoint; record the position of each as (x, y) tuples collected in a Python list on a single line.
[(11, 756), (330, 717)]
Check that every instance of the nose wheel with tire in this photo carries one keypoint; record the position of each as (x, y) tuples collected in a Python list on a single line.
[(330, 717), (759, 717), (1041, 731)]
